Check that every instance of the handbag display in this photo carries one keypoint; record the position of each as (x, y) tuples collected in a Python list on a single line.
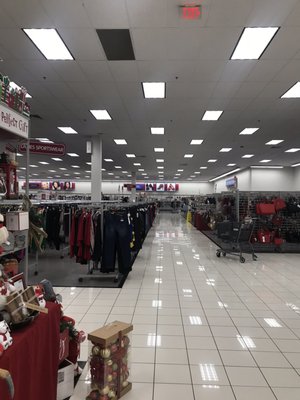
[(265, 236), (265, 209), (279, 204)]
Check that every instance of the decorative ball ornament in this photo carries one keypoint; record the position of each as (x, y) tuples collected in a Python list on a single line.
[(105, 353), (115, 367), (105, 390), (109, 378), (110, 362), (111, 394), (113, 348), (125, 383), (103, 397), (96, 351), (94, 395)]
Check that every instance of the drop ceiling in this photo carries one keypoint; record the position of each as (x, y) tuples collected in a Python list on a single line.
[(192, 57)]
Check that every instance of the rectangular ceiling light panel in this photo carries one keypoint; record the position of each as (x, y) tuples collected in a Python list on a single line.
[(120, 141), (157, 131), (212, 115), (116, 44), (67, 130), (248, 131), (253, 42), (293, 92), (101, 115), (196, 142), (274, 142), (49, 43), (154, 90)]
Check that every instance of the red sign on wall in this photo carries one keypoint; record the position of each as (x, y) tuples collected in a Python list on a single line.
[(51, 149), (191, 12)]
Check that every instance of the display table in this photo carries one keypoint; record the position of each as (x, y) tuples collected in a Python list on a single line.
[(32, 360)]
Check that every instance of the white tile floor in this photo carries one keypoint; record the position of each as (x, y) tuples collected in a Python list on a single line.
[(204, 327)]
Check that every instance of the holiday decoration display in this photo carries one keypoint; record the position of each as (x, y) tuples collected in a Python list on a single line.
[(40, 296), (6, 288), (3, 233), (5, 337), (14, 98), (109, 361)]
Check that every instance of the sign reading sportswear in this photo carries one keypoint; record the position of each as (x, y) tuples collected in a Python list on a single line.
[(13, 122), (51, 149)]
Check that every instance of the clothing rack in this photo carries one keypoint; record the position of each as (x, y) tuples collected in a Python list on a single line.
[(104, 206)]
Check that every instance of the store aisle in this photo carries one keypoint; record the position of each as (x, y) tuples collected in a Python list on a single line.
[(204, 328)]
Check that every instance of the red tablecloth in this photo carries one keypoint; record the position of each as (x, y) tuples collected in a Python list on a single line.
[(32, 360)]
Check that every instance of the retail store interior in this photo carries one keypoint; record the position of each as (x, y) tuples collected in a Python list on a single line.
[(149, 199)]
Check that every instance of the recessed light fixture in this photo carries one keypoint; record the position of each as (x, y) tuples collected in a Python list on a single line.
[(266, 166), (293, 150), (144, 173), (19, 155), (159, 149), (88, 163), (137, 164), (43, 162), (154, 90), (160, 160), (73, 154), (16, 87), (102, 115), (22, 168), (33, 166), (212, 160), (108, 160), (193, 176), (129, 176), (43, 140), (248, 131), (63, 169), (212, 115), (253, 43), (110, 173), (188, 155), (76, 173), (223, 175), (197, 172), (56, 159), (177, 174), (203, 167), (118, 167), (196, 142), (49, 43), (231, 165), (157, 131), (180, 170), (274, 142), (120, 141), (293, 92), (160, 172), (130, 155), (67, 130), (103, 169), (225, 149), (141, 169), (52, 170), (124, 172), (265, 161), (35, 174), (295, 165), (75, 166), (160, 167), (66, 174), (248, 156), (88, 171)]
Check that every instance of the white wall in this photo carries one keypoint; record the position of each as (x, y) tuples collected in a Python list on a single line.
[(286, 179)]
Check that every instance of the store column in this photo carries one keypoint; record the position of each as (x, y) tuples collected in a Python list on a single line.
[(96, 168), (133, 187)]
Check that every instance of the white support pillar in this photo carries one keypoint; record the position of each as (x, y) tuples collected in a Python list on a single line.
[(133, 189), (96, 168)]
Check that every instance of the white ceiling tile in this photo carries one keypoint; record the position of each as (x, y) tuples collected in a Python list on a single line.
[(29, 14), (229, 13), (285, 44), (226, 88), (270, 12), (69, 71), (96, 71), (107, 14), (166, 71), (124, 71), (290, 70), (265, 70), (59, 90), (67, 13), (147, 13), (84, 44), (19, 45), (149, 44), (187, 89), (237, 70), (208, 71), (42, 70), (250, 90)]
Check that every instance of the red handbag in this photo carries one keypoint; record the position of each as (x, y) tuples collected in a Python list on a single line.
[(265, 208), (278, 241), (279, 204), (264, 236)]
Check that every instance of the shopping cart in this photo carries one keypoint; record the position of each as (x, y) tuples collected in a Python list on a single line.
[(236, 239)]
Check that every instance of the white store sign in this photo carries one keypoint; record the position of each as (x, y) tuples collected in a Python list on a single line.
[(13, 122)]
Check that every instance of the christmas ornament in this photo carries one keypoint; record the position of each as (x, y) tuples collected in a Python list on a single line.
[(105, 353)]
